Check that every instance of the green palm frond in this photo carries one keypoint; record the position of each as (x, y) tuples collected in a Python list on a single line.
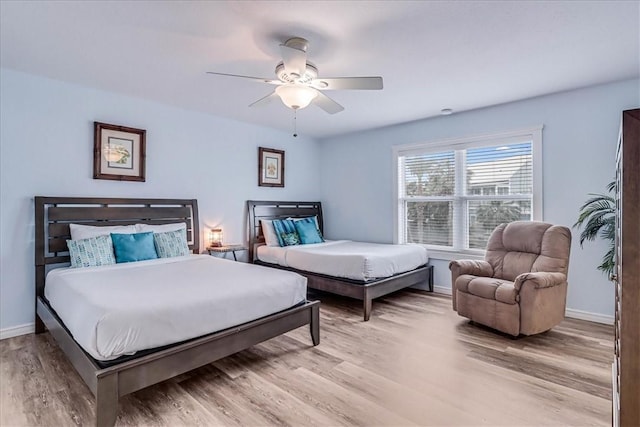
[(609, 230), (608, 262), (597, 218), (596, 224), (598, 198), (596, 204)]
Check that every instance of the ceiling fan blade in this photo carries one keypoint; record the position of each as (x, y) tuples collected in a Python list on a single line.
[(265, 100), (327, 104), (357, 83), (294, 60), (258, 79)]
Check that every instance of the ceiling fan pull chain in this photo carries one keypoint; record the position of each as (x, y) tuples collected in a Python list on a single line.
[(295, 123)]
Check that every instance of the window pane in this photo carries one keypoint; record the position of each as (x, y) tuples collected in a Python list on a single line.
[(484, 216), (430, 223), (505, 169), (429, 174)]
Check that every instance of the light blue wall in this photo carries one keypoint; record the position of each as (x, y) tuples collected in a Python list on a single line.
[(46, 149), (579, 142), (46, 143)]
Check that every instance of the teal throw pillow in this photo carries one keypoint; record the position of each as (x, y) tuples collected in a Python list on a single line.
[(91, 252), (308, 231), (171, 243), (291, 239), (284, 228), (133, 247)]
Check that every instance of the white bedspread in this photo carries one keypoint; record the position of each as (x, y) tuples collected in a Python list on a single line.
[(347, 259), (120, 309)]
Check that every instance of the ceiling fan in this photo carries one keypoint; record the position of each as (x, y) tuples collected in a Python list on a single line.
[(298, 84)]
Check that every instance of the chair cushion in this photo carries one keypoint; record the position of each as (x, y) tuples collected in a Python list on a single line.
[(487, 287), (525, 246)]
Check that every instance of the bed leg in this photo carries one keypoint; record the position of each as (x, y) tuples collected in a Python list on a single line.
[(314, 325), (367, 308), (39, 326), (430, 278), (107, 401)]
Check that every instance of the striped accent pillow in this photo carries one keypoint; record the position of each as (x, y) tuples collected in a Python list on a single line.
[(91, 252), (286, 232), (171, 243)]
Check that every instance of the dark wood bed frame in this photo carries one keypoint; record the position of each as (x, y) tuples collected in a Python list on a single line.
[(52, 218), (364, 291)]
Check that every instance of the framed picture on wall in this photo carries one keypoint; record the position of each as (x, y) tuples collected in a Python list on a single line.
[(270, 167), (118, 152)]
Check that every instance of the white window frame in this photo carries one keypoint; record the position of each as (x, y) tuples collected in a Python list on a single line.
[(533, 134)]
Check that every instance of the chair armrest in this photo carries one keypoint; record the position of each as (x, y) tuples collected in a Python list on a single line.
[(540, 279), (467, 266), (473, 267)]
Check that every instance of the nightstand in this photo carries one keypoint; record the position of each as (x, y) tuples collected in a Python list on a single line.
[(224, 249)]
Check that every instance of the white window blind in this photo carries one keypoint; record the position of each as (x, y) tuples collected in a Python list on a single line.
[(429, 182), (452, 196)]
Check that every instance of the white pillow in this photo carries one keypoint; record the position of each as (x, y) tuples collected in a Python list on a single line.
[(80, 232), (269, 233), (163, 228)]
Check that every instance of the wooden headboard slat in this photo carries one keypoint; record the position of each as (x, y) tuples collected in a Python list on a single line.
[(117, 213), (283, 212)]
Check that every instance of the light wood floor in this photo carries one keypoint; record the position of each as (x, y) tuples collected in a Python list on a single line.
[(414, 363)]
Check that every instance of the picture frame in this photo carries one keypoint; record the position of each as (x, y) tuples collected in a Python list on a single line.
[(119, 152), (270, 167)]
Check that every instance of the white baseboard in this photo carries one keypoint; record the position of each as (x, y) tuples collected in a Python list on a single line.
[(591, 317), (442, 289), (569, 312), (15, 331)]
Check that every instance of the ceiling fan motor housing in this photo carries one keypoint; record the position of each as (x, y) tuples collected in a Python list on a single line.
[(297, 43), (310, 74)]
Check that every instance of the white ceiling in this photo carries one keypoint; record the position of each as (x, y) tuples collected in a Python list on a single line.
[(431, 54)]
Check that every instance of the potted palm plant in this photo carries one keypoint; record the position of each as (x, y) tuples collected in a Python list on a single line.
[(597, 217)]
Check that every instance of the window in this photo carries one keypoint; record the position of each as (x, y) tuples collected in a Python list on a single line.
[(452, 194)]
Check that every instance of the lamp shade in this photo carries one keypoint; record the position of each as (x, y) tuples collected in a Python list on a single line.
[(215, 237), (296, 96)]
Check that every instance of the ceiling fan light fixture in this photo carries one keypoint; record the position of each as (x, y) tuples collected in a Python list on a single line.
[(295, 96)]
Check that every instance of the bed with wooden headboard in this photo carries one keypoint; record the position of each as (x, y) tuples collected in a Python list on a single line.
[(365, 291), (52, 218)]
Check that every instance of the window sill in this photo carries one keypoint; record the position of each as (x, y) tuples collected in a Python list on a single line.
[(453, 255)]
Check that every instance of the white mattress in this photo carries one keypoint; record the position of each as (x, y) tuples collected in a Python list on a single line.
[(347, 259), (120, 309)]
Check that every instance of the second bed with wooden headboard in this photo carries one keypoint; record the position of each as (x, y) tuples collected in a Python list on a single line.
[(362, 288)]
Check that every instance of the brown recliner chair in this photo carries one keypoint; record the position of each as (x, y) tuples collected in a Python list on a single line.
[(521, 286)]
